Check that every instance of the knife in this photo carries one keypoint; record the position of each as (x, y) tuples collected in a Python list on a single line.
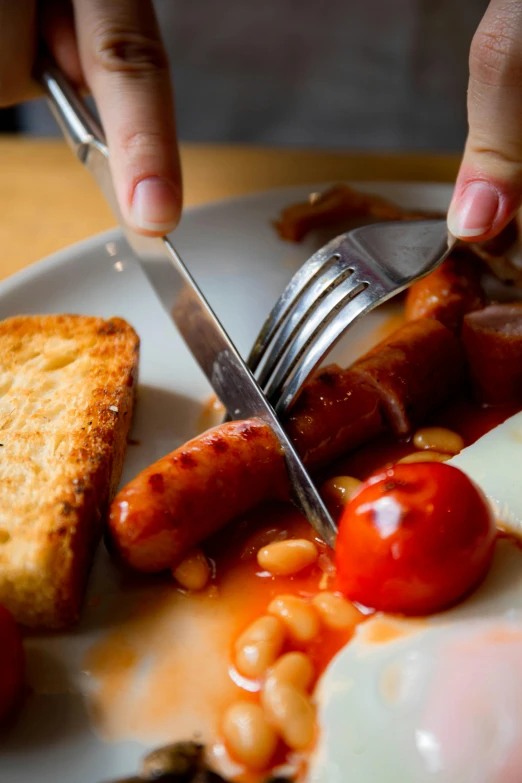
[(197, 323)]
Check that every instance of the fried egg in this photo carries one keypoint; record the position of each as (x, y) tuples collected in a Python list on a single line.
[(439, 699)]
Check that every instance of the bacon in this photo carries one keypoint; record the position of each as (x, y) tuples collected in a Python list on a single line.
[(342, 207)]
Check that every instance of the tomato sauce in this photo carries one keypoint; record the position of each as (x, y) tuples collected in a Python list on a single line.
[(166, 671), (472, 421), (236, 559)]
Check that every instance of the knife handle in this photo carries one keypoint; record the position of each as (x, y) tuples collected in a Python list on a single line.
[(78, 125)]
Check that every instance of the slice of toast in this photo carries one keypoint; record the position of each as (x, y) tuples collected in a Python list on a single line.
[(67, 386)]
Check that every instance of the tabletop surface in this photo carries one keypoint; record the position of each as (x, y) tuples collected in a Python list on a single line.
[(48, 201)]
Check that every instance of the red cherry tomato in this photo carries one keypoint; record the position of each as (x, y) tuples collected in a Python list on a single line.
[(12, 662), (414, 539)]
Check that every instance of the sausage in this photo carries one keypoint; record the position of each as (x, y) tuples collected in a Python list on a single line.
[(414, 371), (448, 293), (335, 206), (493, 341), (335, 413), (192, 492), (197, 489)]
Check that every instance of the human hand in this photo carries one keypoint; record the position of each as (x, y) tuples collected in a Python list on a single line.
[(114, 50), (488, 191)]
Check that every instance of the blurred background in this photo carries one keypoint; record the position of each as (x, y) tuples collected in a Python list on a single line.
[(357, 74)]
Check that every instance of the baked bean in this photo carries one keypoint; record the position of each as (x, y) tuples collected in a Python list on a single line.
[(295, 668), (336, 612), (284, 558), (193, 573), (289, 710), (426, 456), (438, 439), (248, 735), (339, 490), (261, 538), (259, 646), (300, 618)]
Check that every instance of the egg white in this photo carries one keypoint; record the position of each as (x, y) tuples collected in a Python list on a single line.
[(494, 462)]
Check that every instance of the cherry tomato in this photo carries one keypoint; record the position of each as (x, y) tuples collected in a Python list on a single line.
[(414, 539), (12, 662)]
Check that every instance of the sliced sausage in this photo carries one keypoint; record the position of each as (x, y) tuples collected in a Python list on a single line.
[(415, 370), (192, 492), (336, 206), (493, 341), (335, 413), (449, 293)]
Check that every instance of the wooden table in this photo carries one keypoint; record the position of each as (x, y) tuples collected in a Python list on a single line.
[(48, 201)]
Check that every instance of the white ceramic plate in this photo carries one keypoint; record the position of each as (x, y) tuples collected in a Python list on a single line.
[(242, 266)]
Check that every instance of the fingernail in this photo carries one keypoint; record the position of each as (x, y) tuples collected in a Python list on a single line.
[(155, 205), (473, 213)]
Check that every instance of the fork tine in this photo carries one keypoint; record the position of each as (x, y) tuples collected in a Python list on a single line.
[(316, 340), (309, 300), (282, 363), (299, 284), (361, 270)]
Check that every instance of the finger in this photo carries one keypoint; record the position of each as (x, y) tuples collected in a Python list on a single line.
[(126, 68), (17, 27), (488, 191), (57, 29)]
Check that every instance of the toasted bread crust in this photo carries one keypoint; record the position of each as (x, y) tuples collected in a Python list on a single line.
[(67, 387)]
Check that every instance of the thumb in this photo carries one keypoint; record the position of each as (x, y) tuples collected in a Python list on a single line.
[(488, 191)]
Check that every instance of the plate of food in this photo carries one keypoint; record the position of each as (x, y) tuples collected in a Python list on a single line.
[(180, 620)]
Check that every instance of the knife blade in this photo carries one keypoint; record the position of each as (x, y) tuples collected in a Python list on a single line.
[(197, 323)]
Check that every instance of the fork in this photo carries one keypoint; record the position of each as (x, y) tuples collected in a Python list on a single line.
[(345, 279)]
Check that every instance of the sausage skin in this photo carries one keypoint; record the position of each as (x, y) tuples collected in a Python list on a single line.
[(493, 341), (335, 413), (192, 492), (414, 371), (448, 293)]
